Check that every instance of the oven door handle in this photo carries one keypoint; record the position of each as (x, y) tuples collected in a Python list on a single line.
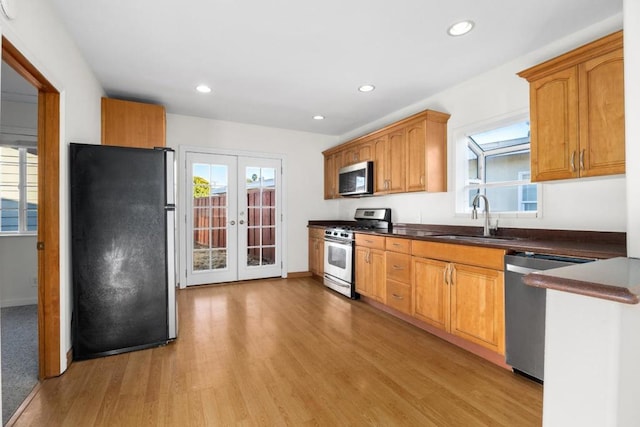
[(339, 241)]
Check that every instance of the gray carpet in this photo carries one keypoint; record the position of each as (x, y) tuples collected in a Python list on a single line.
[(19, 356)]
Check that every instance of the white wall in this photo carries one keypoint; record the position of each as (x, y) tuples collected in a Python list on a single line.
[(18, 257), (593, 204), (40, 36), (303, 168), (18, 271)]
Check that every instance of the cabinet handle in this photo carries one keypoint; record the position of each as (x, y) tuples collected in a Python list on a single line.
[(445, 275), (368, 257), (421, 179), (397, 267), (396, 296), (452, 272), (582, 159), (573, 161), (368, 241), (396, 244)]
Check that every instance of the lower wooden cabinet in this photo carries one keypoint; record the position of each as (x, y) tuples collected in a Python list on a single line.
[(464, 300), (316, 251), (370, 275), (477, 305), (370, 266)]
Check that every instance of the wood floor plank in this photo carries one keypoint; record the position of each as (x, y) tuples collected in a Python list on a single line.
[(290, 353)]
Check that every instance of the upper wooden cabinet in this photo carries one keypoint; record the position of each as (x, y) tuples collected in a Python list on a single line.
[(132, 124), (389, 166), (409, 155), (357, 153), (577, 112), (332, 164)]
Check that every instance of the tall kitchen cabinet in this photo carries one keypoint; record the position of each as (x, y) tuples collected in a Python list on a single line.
[(460, 289), (408, 155), (577, 112), (133, 124)]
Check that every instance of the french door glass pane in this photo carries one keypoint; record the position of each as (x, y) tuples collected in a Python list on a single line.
[(210, 209), (260, 187)]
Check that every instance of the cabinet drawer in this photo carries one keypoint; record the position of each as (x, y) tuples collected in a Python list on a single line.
[(370, 241), (317, 233), (399, 296), (398, 267), (398, 245)]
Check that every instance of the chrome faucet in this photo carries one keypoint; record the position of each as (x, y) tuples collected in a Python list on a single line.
[(474, 213)]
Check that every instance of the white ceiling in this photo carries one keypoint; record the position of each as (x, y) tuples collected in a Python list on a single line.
[(279, 62)]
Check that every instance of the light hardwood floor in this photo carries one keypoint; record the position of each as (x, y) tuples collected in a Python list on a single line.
[(287, 352)]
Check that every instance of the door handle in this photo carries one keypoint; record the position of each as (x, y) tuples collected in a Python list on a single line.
[(232, 223), (242, 221)]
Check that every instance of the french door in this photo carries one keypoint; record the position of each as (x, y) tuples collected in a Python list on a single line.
[(233, 218)]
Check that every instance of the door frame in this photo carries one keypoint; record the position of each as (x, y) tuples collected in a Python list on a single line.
[(181, 193), (48, 210)]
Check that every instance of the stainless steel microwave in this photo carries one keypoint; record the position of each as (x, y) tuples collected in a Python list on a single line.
[(356, 179)]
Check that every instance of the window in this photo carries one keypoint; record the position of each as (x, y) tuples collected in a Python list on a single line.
[(18, 190), (498, 166)]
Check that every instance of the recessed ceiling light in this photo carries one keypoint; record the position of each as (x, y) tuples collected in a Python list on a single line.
[(366, 88), (203, 89), (318, 117), (460, 28)]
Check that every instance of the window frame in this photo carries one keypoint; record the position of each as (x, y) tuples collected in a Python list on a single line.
[(23, 202), (464, 184)]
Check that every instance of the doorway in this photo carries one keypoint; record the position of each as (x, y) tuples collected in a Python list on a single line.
[(48, 240), (233, 217)]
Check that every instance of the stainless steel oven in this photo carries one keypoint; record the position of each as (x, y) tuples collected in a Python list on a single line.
[(338, 262), (339, 245)]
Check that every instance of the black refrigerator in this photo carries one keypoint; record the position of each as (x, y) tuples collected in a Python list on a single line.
[(122, 249)]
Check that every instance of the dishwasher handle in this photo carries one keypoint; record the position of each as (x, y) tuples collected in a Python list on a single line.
[(520, 270)]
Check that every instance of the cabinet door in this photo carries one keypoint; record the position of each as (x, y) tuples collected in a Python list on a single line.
[(381, 153), (378, 279), (332, 164), (363, 271), (554, 126), (396, 161), (316, 255), (360, 152), (416, 153), (602, 146), (431, 292), (477, 306), (132, 124)]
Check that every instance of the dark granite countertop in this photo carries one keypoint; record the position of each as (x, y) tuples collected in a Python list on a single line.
[(614, 279), (585, 244)]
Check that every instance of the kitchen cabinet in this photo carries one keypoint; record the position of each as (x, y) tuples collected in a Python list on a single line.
[(357, 153), (390, 160), (316, 251), (332, 164), (398, 274), (460, 289), (577, 112), (133, 124), (408, 155), (426, 153), (370, 266)]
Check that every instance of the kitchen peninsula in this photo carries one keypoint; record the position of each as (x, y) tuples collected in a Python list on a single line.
[(592, 342)]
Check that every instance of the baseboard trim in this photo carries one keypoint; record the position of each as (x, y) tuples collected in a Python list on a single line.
[(18, 302), (298, 274)]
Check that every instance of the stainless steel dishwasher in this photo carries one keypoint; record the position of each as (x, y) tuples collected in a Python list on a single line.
[(525, 309)]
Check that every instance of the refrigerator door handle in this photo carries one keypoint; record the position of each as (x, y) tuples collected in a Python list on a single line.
[(170, 207), (172, 308)]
